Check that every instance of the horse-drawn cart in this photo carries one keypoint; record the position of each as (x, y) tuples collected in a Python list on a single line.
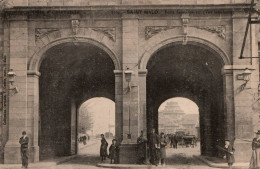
[(189, 140)]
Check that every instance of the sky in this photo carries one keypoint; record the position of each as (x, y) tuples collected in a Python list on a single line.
[(100, 107), (188, 106)]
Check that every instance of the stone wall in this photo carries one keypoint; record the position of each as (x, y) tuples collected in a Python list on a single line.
[(119, 2), (3, 111)]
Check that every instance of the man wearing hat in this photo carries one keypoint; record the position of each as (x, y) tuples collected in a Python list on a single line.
[(24, 140), (229, 153), (141, 149), (154, 146), (255, 158)]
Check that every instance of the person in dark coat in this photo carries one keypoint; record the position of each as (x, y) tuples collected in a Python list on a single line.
[(171, 140), (103, 148), (172, 143), (84, 140), (175, 141), (113, 152), (229, 153), (141, 149), (163, 144), (255, 158), (24, 140), (154, 145)]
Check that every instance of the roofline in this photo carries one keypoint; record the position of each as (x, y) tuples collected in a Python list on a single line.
[(129, 7)]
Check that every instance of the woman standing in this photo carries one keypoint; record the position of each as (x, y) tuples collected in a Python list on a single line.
[(163, 143), (103, 148), (255, 158)]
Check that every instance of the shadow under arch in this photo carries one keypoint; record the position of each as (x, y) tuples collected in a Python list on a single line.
[(37, 58), (223, 57), (193, 72), (69, 75)]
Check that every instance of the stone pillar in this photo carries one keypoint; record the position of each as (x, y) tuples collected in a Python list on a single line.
[(73, 122), (244, 94), (119, 104), (229, 113), (19, 117), (130, 89), (142, 94), (33, 113)]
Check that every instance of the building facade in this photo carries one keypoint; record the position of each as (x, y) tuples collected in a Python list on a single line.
[(137, 53), (172, 118)]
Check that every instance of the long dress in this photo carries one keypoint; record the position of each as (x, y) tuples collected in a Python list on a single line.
[(103, 148), (163, 144), (113, 151), (255, 158)]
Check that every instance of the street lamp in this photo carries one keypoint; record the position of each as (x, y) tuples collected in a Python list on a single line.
[(128, 76), (11, 76), (246, 75)]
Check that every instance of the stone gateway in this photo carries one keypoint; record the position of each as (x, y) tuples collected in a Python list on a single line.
[(136, 53)]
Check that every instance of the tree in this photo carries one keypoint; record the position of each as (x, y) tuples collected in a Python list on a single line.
[(85, 120)]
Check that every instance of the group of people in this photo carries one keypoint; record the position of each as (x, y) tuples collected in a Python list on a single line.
[(157, 146), (113, 150), (173, 141), (83, 139), (255, 158)]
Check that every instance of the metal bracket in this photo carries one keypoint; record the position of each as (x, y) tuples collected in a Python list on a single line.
[(249, 22)]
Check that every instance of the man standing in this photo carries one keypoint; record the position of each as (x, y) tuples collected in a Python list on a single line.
[(175, 141), (154, 145), (24, 140), (141, 149)]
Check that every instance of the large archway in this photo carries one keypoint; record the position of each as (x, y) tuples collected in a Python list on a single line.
[(70, 74), (193, 72)]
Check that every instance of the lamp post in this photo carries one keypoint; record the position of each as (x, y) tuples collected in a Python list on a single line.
[(128, 76)]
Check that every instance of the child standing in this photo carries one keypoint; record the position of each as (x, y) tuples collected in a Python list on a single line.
[(113, 152), (229, 153)]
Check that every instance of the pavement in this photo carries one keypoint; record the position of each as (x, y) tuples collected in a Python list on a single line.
[(42, 164), (213, 163), (88, 158)]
